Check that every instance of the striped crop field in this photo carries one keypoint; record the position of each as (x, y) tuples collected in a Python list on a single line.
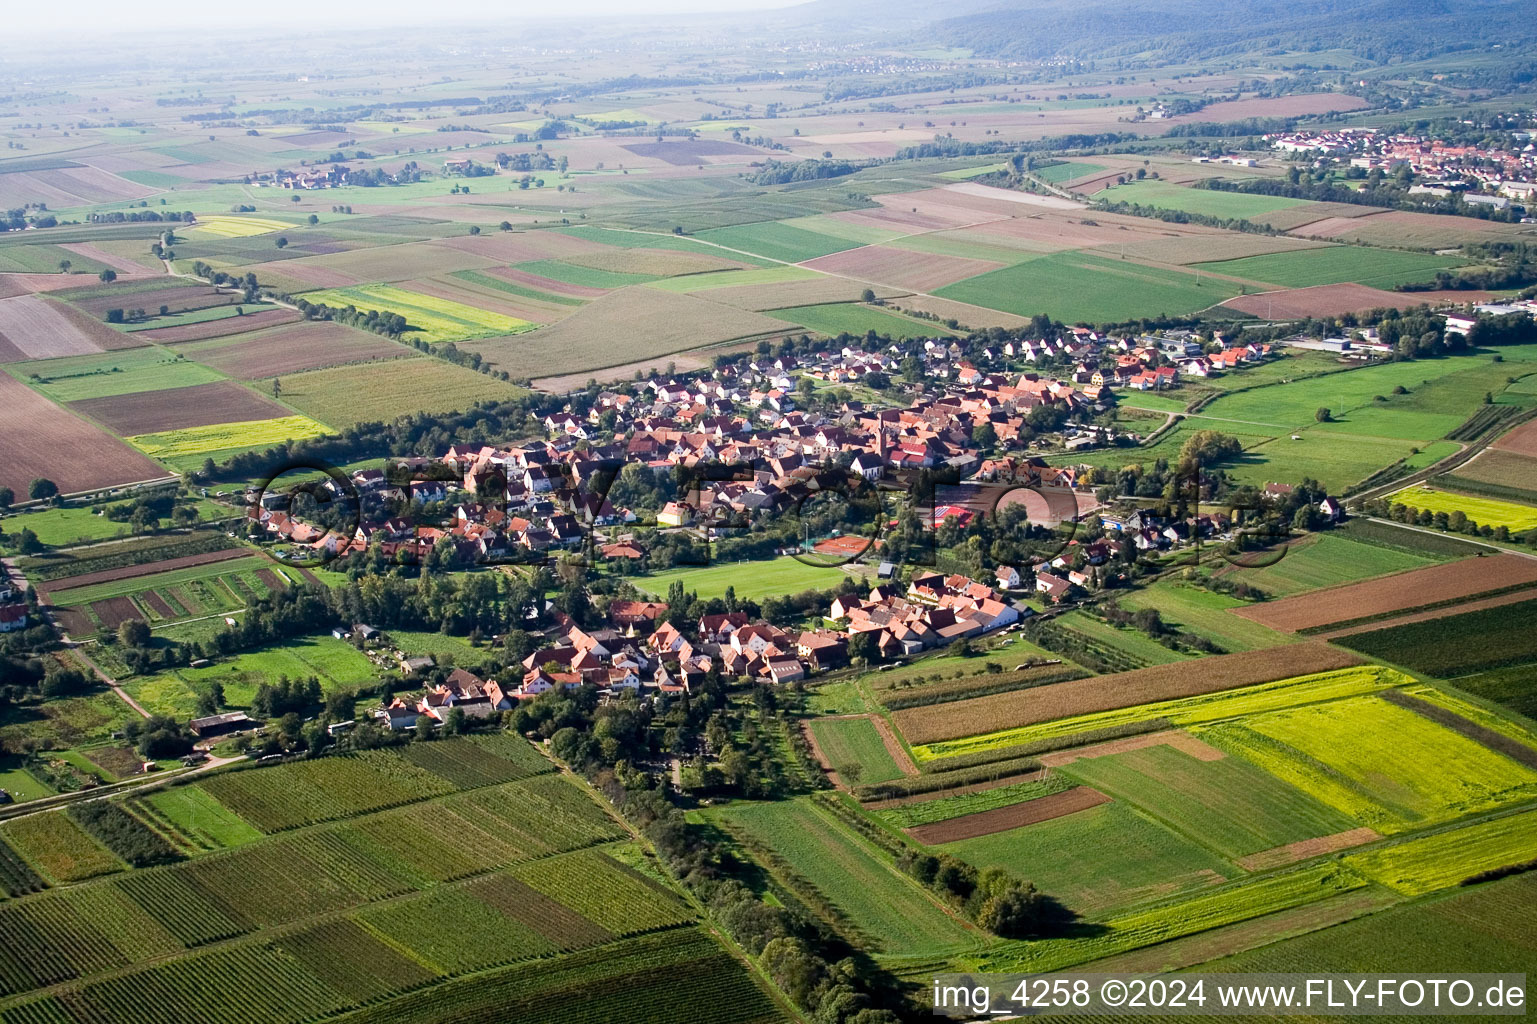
[(428, 318)]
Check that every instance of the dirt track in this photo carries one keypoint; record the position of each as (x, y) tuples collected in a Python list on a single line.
[(1001, 819)]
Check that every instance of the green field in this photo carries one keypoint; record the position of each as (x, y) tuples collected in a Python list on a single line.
[(943, 808), (775, 241), (475, 277), (1133, 860), (1384, 766), (892, 912), (196, 443), (733, 278), (1483, 928), (855, 750), (1130, 646), (73, 378), (1376, 268), (1324, 560), (752, 580), (335, 663), (1209, 202), (58, 527), (428, 318), (587, 277), (1210, 707), (1207, 614), (194, 813), (76, 596), (1228, 805), (1227, 905), (1079, 287), (1447, 859), (1058, 173), (855, 318), (1483, 511), (345, 395), (1456, 645)]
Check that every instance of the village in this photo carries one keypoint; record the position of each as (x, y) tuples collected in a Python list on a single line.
[(1497, 177), (730, 447)]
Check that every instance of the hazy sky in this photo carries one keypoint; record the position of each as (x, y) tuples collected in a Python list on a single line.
[(180, 18)]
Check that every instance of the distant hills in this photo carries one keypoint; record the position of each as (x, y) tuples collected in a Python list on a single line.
[(1381, 31)]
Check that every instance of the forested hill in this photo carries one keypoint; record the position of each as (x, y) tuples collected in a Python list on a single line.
[(1165, 30)]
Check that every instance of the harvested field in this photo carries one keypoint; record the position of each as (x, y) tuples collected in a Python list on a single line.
[(1001, 819), (179, 298), (316, 275), (1522, 440), (1292, 217), (683, 362), (36, 430), (783, 295), (963, 313), (1176, 738), (149, 569), (1298, 105), (157, 604), (930, 209), (41, 329), (1051, 232), (219, 328), (1291, 853), (114, 611), (1205, 248), (1423, 230), (919, 272), (100, 255), (1434, 613), (651, 322), (390, 263), (295, 348), (522, 246), (692, 151), (1406, 590), (1323, 300), (1123, 689), (154, 412)]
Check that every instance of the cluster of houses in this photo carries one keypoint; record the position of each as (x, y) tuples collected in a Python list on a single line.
[(1495, 176), (551, 494), (648, 656), (13, 605), (932, 611)]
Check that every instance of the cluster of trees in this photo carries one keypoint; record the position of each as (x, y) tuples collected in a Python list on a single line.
[(135, 216), (1184, 217), (812, 966), (776, 172), (273, 700), (994, 899), (159, 737), (1455, 521), (1151, 622), (122, 833)]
